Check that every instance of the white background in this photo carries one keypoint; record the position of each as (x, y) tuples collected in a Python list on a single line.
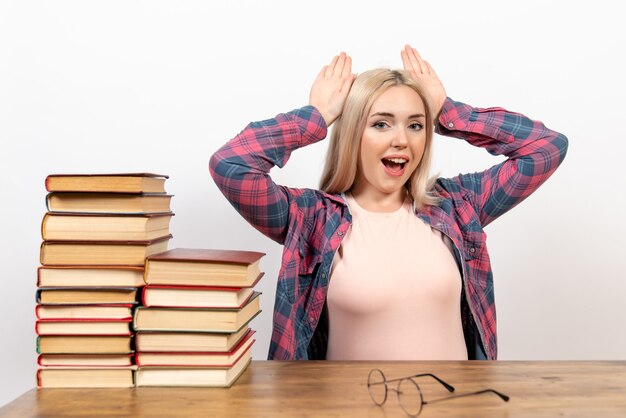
[(123, 86)]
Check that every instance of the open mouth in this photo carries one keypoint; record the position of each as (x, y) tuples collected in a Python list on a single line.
[(394, 165)]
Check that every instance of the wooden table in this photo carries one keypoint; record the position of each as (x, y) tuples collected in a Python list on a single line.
[(338, 389)]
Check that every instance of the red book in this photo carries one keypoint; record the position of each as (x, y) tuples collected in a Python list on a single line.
[(66, 312), (195, 359), (83, 327), (85, 360)]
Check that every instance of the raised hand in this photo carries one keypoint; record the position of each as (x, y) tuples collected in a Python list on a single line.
[(421, 70), (331, 87)]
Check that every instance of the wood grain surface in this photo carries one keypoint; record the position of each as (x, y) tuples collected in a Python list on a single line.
[(338, 389)]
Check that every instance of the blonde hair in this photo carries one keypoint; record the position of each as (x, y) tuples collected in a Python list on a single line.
[(342, 156)]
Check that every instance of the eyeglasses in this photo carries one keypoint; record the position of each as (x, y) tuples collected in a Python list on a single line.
[(409, 394)]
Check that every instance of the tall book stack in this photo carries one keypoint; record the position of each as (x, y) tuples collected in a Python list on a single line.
[(96, 235), (193, 325)]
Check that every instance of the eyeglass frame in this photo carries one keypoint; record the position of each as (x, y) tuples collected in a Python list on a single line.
[(448, 387)]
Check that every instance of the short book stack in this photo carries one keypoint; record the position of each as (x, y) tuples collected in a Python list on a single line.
[(193, 325), (97, 233)]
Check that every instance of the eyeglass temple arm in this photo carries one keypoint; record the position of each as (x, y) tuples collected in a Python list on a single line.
[(446, 385), (502, 396)]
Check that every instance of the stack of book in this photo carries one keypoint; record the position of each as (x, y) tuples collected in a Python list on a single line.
[(193, 325), (97, 233)]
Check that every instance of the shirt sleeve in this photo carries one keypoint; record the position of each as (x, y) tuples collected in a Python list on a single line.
[(534, 152), (241, 167)]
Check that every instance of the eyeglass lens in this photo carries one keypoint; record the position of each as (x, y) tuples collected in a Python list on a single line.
[(410, 397), (377, 386)]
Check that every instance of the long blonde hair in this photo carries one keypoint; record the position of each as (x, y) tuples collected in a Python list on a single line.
[(342, 156)]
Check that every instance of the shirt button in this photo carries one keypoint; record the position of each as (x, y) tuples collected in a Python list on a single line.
[(323, 275), (340, 233), (450, 125), (311, 319), (472, 250)]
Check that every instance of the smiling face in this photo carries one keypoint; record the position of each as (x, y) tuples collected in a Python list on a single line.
[(392, 146)]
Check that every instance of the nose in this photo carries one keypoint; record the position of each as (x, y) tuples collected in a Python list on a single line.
[(399, 139)]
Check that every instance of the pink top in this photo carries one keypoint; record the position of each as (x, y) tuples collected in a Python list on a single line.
[(395, 291)]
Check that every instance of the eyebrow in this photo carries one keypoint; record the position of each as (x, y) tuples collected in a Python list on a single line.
[(391, 115)]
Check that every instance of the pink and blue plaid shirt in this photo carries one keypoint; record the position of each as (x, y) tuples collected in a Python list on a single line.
[(311, 224)]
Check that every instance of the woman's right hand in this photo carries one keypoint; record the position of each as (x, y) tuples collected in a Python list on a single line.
[(331, 87)]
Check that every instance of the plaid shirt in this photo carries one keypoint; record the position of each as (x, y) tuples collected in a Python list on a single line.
[(311, 224)]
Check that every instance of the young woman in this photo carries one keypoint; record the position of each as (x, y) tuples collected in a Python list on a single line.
[(383, 263)]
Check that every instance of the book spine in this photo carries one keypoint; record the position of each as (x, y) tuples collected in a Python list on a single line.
[(43, 225), (41, 254), (38, 345), (143, 296)]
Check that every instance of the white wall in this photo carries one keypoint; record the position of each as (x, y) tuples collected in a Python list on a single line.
[(119, 86)]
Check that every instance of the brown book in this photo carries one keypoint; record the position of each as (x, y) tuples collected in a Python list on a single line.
[(83, 344), (197, 376), (198, 320), (107, 183), (204, 267), (207, 359), (81, 296), (83, 327), (53, 377), (89, 276), (83, 311), (129, 253), (85, 360), (108, 202), (195, 296), (105, 227), (188, 341)]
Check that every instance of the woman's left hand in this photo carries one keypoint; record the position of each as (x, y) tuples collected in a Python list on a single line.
[(421, 70)]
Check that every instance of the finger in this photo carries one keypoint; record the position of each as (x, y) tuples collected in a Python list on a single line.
[(331, 67), (322, 72), (412, 59), (405, 60), (347, 68), (341, 62), (431, 70), (422, 64)]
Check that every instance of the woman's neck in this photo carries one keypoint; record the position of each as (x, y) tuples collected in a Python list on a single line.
[(379, 202)]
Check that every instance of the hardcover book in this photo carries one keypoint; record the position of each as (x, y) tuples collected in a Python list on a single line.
[(105, 227), (196, 319), (89, 276), (83, 327), (130, 253), (85, 360), (185, 359), (83, 344), (53, 377), (84, 311), (84, 296), (107, 183), (197, 376), (204, 267), (188, 341), (195, 296), (87, 202)]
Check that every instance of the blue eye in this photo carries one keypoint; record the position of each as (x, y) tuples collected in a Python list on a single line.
[(379, 125), (416, 126)]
